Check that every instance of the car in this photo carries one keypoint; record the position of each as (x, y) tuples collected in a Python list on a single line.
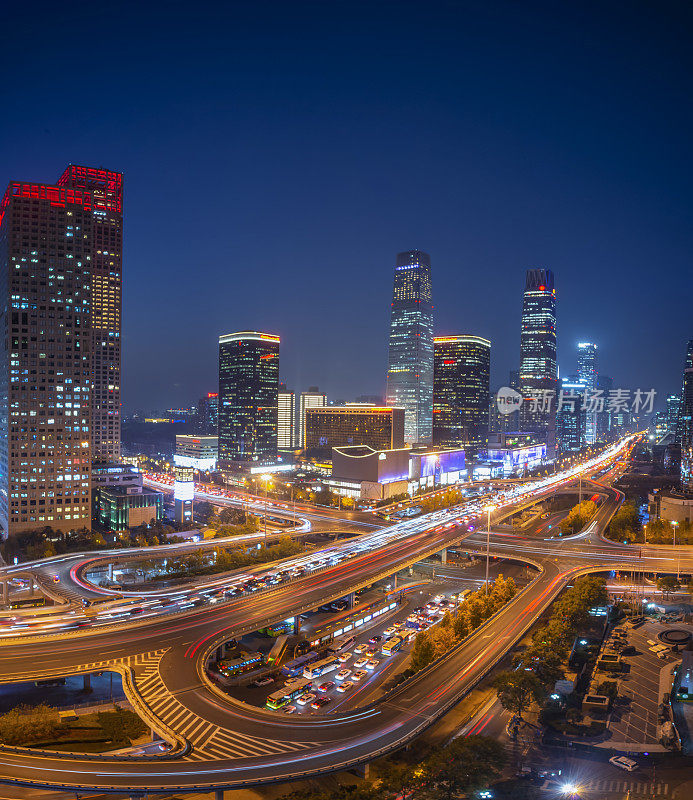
[(624, 763), (344, 687), (289, 710), (308, 697), (343, 674), (343, 657), (262, 681), (418, 609), (359, 675), (375, 639), (370, 653), (390, 631), (325, 687), (360, 663), (360, 648), (56, 579), (320, 702), (373, 664)]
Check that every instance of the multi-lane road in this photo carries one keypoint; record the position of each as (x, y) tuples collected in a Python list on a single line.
[(225, 743)]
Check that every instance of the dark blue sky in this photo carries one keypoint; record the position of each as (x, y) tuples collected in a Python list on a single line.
[(278, 154)]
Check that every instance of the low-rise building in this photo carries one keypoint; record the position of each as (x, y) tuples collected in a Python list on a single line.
[(517, 452), (198, 452), (119, 508), (364, 473)]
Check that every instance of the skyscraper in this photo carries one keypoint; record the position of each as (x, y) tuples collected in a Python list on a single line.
[(410, 361), (570, 418), (208, 414), (461, 375), (248, 388), (588, 376), (672, 413), (60, 257), (686, 428), (313, 398), (687, 364), (538, 371), (286, 415)]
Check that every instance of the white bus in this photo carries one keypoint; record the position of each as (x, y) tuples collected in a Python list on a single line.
[(321, 667)]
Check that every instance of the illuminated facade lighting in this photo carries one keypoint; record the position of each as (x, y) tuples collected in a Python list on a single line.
[(461, 376), (410, 357), (248, 389), (60, 254)]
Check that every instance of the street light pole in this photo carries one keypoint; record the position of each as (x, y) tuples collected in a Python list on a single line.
[(489, 509)]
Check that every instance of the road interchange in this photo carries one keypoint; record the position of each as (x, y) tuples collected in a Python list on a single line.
[(224, 743)]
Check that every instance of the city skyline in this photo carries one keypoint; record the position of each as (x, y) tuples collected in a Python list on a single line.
[(491, 176)]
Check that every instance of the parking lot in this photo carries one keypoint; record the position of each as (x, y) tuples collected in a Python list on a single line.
[(633, 719)]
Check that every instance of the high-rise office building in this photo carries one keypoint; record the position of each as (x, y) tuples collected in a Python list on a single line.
[(686, 430), (410, 359), (538, 369), (588, 377), (570, 418), (60, 257), (461, 375), (604, 427), (687, 364), (313, 398), (286, 415), (208, 414), (248, 388), (673, 412)]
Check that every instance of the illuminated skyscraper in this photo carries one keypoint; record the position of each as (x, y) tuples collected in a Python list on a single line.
[(686, 428), (538, 371), (60, 258), (461, 376), (410, 362), (248, 388), (208, 414), (588, 377), (286, 416), (313, 398)]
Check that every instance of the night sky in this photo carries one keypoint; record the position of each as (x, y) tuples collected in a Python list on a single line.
[(278, 155)]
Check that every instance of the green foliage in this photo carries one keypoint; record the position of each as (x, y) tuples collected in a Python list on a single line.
[(121, 726), (578, 517), (24, 725), (667, 584), (625, 525), (517, 689), (476, 609)]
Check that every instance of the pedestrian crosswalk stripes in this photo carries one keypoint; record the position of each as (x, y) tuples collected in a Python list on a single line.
[(636, 788), (209, 741)]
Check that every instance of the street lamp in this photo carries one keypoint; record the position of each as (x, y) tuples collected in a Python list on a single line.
[(488, 510), (266, 478)]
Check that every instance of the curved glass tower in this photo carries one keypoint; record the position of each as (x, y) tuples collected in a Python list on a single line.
[(410, 361)]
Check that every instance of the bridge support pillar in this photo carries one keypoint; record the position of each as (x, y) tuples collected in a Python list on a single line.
[(5, 593), (31, 587), (87, 682), (220, 652), (218, 794), (297, 625), (362, 770), (109, 570), (351, 599), (444, 556)]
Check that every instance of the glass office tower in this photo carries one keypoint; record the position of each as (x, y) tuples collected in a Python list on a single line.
[(461, 377), (410, 361), (538, 371), (248, 389), (588, 376)]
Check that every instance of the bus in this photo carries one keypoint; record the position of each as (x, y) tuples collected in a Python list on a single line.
[(290, 691), (29, 602), (295, 667), (321, 667), (392, 646), (463, 595)]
